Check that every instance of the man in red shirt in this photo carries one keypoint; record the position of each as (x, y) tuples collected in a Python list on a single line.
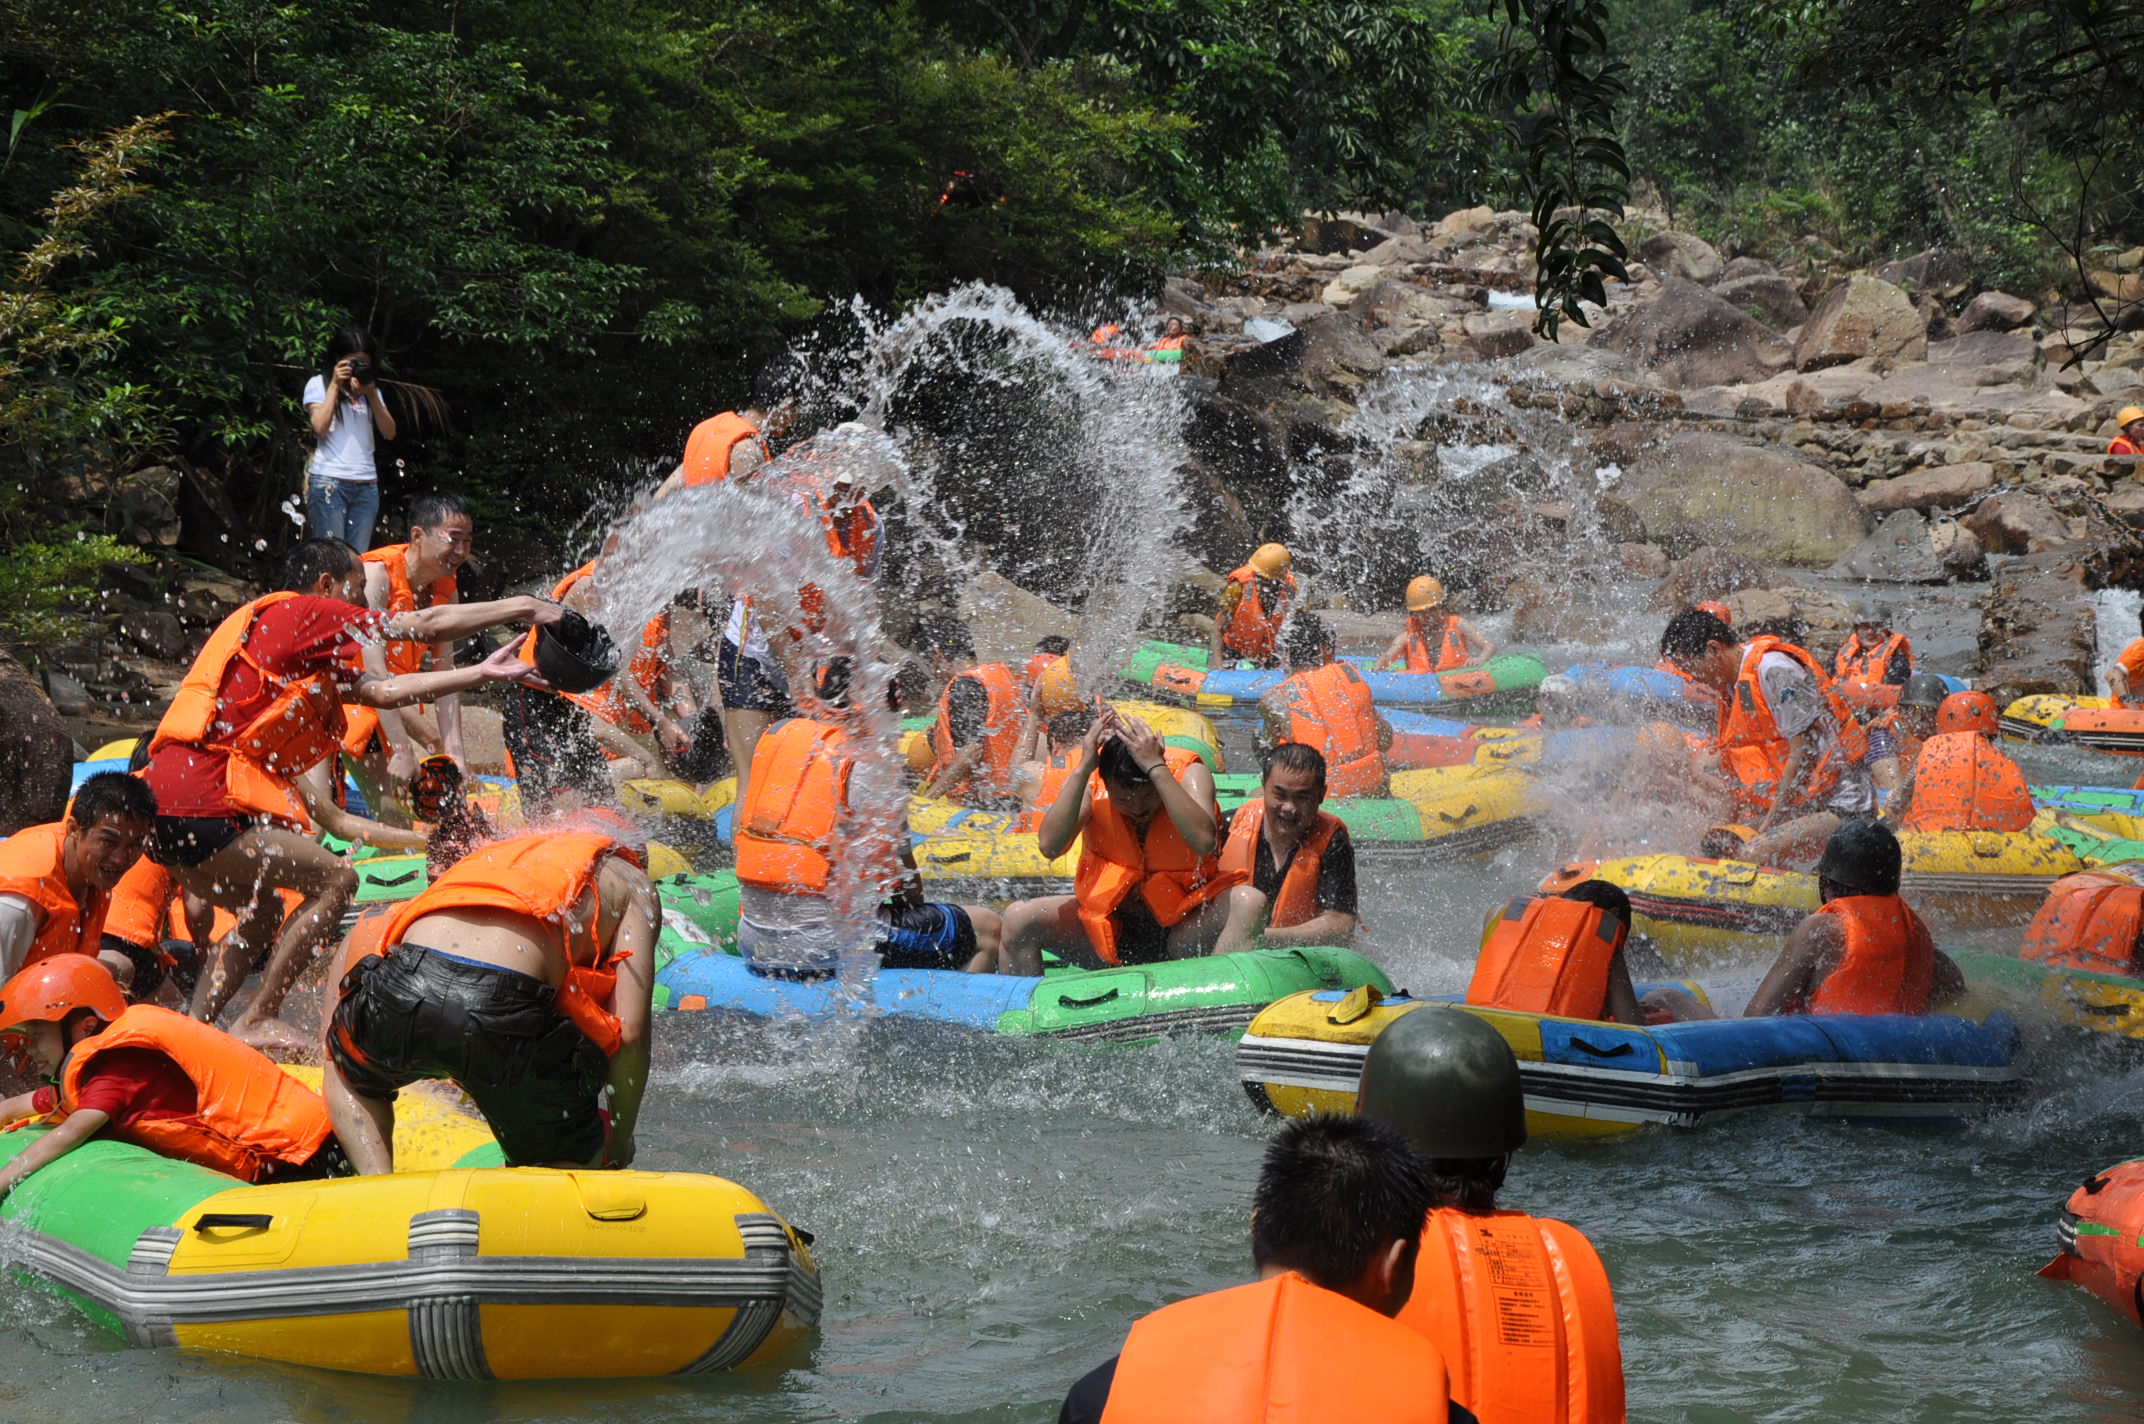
[(2131, 440), (232, 826)]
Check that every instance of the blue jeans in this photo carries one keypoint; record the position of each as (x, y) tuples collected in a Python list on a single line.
[(343, 509)]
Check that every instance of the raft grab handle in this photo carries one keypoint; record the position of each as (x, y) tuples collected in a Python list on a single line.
[(1102, 998), (1616, 1051), (247, 1220)]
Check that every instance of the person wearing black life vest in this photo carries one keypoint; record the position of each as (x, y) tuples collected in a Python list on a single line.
[(1298, 861), (1335, 1229)]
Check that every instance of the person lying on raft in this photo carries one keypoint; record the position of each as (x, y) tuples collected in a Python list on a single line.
[(1149, 885), (790, 830), (1297, 862), (1435, 638), (1326, 704), (1254, 605), (526, 975), (1961, 781), (1560, 954), (156, 1079), (56, 880)]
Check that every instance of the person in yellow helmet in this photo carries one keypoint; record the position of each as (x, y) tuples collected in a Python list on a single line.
[(1435, 638), (2131, 441), (1253, 606)]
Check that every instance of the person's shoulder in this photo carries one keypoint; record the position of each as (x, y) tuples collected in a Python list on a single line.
[(316, 390), (1341, 840)]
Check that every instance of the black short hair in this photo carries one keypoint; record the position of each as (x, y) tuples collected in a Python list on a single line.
[(112, 793), (1117, 764), (1070, 725), (943, 633), (835, 675), (303, 566), (1292, 756), (1055, 644), (1308, 641), (1692, 631), (1468, 1183), (1609, 896), (1334, 1191), (429, 511)]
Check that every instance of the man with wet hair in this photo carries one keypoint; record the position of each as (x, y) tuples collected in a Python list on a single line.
[(1336, 1228), (976, 740), (1298, 861), (56, 880), (1325, 703)]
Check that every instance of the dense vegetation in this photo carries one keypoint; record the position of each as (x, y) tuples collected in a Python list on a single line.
[(576, 229)]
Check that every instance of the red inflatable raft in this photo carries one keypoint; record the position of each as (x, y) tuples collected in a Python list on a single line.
[(2103, 1239)]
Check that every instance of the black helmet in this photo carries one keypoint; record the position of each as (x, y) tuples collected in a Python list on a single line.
[(1862, 857), (1923, 689), (1447, 1082)]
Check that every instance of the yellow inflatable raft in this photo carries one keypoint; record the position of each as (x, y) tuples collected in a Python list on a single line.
[(2093, 722)]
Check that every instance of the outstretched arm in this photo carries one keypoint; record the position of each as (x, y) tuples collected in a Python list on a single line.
[(1810, 953), (79, 1127), (632, 1001), (451, 622), (502, 666)]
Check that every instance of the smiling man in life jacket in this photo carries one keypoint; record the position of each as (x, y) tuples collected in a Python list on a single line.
[(56, 880), (1298, 863), (1435, 638), (1873, 654), (156, 1079), (262, 705), (975, 742), (1960, 781), (525, 974), (1896, 737), (1149, 885), (1519, 1307), (1865, 951), (1560, 954), (1254, 605), (1791, 746), (1325, 703), (1336, 1226)]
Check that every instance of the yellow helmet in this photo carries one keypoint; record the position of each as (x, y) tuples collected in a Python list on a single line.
[(1423, 593), (2127, 414), (921, 755), (1055, 691), (1271, 560)]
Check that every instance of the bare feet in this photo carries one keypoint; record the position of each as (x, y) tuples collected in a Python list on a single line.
[(273, 1037)]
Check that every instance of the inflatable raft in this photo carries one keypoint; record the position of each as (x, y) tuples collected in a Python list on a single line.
[(2111, 1004), (457, 1268), (2102, 1235), (1582, 1078), (2093, 722), (1178, 670)]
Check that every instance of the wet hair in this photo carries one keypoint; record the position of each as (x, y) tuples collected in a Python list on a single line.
[(112, 793), (1608, 896), (1692, 631), (1468, 1183), (1118, 766), (943, 633), (351, 340), (1334, 1191), (1292, 756), (1307, 642), (304, 565), (1070, 725), (1056, 645), (835, 675), (429, 511)]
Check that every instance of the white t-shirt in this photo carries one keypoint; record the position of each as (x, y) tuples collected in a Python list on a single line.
[(1798, 707), (345, 452), (18, 931)]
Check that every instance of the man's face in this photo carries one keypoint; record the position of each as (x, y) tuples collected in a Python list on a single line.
[(41, 1043), (1717, 666), (1293, 797), (1918, 722), (104, 851), (1869, 632), (2135, 429), (448, 545)]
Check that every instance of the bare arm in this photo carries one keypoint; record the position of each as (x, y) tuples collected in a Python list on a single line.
[(1799, 763), (451, 622), (317, 788), (1325, 927), (501, 666), (632, 1002), (1395, 651), (76, 1130), (955, 772), (1811, 952), (1479, 648), (322, 413), (1061, 824), (382, 419), (2118, 683), (1622, 994)]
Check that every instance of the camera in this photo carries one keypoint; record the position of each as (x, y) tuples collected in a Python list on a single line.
[(360, 371)]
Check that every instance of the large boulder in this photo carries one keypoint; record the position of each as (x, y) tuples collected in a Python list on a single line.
[(1759, 500), (1768, 297), (1993, 311), (36, 754), (1936, 487), (2037, 631), (2017, 522), (1678, 254), (1708, 576), (1898, 550), (1689, 337), (1862, 316), (1989, 358)]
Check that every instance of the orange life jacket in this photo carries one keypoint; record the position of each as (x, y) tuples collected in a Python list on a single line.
[(301, 726), (1520, 1309), (1753, 752), (1451, 647), (854, 536), (650, 661), (2123, 445), (541, 876), (1329, 708), (1114, 861), (1856, 663), (1296, 902), (1961, 783), (712, 444), (1056, 771), (798, 789), (1001, 731), (248, 1112), (1280, 1351), (140, 911), (1033, 668), (1890, 962), (1253, 630), (405, 657), (2091, 922), (30, 867), (1547, 955)]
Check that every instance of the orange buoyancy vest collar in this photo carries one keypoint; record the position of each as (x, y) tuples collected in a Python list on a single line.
[(1253, 630), (248, 1112), (1032, 669), (1547, 955), (1754, 753), (1451, 647), (1961, 783), (1521, 1311), (2123, 445), (799, 789), (141, 905), (1889, 966), (1296, 902), (2092, 922), (542, 876), (30, 866), (301, 726), (1056, 771), (1279, 1351), (1329, 708), (1856, 663), (1114, 861), (1001, 731), (712, 444), (405, 657)]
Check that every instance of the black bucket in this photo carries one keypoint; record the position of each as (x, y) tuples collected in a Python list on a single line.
[(575, 655)]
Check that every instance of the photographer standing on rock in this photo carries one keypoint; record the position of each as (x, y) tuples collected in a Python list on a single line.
[(343, 402)]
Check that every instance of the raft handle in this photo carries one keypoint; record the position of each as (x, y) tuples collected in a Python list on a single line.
[(1616, 1052), (2093, 1186), (249, 1220), (1462, 818), (939, 858), (1102, 998), (403, 879)]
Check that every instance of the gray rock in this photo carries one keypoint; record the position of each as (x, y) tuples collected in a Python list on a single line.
[(1708, 575), (1957, 548), (1863, 316), (1008, 620), (1993, 311), (2017, 522), (1394, 251), (1936, 487), (1678, 254), (2037, 631), (36, 753), (1748, 498), (1768, 297), (1898, 550), (1689, 337), (157, 633), (1747, 267)]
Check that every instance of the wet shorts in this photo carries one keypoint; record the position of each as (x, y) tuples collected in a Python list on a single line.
[(182, 842), (927, 936), (417, 1013), (747, 684)]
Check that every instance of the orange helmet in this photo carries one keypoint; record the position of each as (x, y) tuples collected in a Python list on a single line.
[(1423, 594), (1271, 560), (921, 756), (1055, 690), (54, 987), (1717, 610), (1967, 712)]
